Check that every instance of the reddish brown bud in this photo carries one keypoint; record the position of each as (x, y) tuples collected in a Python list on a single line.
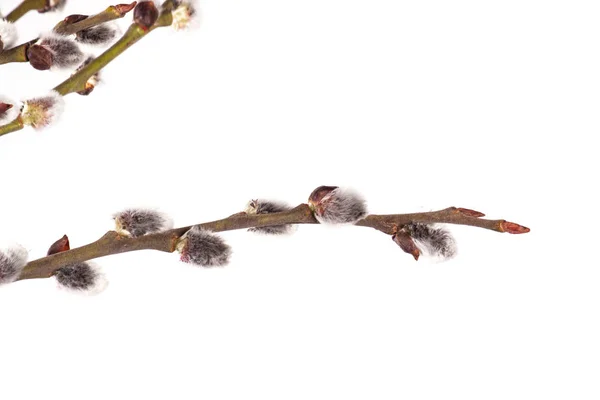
[(145, 14), (59, 246), (511, 227), (123, 9), (407, 244), (319, 193), (470, 213), (4, 107), (40, 57), (72, 19)]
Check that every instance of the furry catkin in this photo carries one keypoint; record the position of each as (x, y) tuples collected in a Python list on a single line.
[(139, 222), (435, 240), (202, 247), (81, 277), (40, 112), (334, 205), (65, 52), (97, 35), (12, 262), (268, 207)]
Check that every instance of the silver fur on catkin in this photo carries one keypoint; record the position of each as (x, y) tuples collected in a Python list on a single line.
[(136, 222), (268, 207), (12, 262), (55, 51), (97, 35), (436, 241), (80, 277), (8, 34), (202, 247), (40, 112), (334, 205)]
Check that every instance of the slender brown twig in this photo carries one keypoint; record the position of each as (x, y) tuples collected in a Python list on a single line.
[(24, 7), (114, 243)]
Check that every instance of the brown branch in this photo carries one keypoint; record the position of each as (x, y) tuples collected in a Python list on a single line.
[(24, 7), (113, 243), (64, 27)]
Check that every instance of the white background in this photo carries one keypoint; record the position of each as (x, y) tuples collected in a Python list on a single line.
[(418, 105)]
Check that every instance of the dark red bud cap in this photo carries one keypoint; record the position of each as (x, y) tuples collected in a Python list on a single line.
[(145, 14), (407, 244), (71, 19), (511, 227), (59, 246), (470, 213), (39, 57), (125, 8), (4, 107), (319, 193)]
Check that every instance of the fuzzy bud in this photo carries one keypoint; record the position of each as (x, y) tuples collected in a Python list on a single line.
[(334, 205), (54, 51), (268, 207), (136, 222), (80, 277), (145, 14), (40, 112), (53, 5), (97, 35), (183, 14), (59, 246), (8, 34), (433, 240), (202, 247), (12, 262)]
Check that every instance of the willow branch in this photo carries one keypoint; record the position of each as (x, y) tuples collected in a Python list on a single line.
[(24, 8), (19, 53), (78, 80), (113, 243), (110, 14)]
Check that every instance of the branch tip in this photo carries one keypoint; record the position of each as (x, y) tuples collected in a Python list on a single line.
[(123, 9), (511, 227)]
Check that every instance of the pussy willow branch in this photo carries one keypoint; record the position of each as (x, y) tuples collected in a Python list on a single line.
[(114, 243), (24, 7), (77, 81), (19, 53)]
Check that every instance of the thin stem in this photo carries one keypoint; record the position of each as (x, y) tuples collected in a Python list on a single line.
[(14, 125), (110, 14), (113, 243), (77, 81), (24, 8)]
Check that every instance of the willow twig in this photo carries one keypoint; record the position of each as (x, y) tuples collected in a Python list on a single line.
[(78, 80), (19, 53), (113, 243), (24, 7)]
